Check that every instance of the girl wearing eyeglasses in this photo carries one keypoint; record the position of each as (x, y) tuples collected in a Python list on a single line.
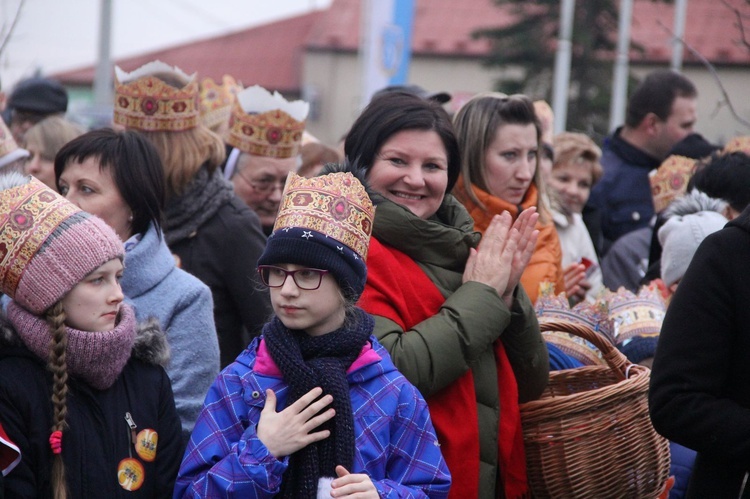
[(315, 406)]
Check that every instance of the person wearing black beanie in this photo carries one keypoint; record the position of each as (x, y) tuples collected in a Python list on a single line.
[(347, 420)]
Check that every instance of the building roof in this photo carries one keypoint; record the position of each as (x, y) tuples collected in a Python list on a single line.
[(710, 28), (441, 27), (271, 55), (252, 56)]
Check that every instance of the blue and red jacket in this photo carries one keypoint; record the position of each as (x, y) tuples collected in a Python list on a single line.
[(395, 442)]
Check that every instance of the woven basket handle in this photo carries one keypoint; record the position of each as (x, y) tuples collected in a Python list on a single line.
[(614, 358)]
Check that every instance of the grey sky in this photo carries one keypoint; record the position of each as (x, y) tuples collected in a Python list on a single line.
[(55, 35)]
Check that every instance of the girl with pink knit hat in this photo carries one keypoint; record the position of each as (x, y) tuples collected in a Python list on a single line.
[(83, 393)]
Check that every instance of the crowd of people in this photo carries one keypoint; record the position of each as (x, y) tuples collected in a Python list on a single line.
[(204, 300)]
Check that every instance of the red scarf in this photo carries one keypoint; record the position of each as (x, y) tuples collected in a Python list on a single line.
[(399, 290)]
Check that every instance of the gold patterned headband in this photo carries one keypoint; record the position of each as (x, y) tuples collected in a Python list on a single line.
[(335, 205), (217, 100), (266, 124), (670, 180), (146, 102)]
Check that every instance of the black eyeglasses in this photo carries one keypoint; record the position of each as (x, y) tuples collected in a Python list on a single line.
[(275, 277), (264, 185)]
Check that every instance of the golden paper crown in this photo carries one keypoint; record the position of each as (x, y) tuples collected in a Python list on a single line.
[(217, 100), (143, 101), (265, 124), (636, 315), (335, 205), (29, 213), (670, 180), (738, 144)]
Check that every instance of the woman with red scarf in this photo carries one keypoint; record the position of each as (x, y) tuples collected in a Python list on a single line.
[(448, 309)]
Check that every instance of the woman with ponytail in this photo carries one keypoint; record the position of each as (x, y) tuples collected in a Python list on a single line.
[(83, 392)]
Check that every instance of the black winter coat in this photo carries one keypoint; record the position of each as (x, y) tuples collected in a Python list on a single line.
[(700, 382), (97, 437), (223, 253)]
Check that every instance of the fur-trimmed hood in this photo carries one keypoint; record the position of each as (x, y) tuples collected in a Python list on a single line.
[(150, 344), (693, 202)]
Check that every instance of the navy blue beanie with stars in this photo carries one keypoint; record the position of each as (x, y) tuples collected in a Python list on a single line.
[(324, 222)]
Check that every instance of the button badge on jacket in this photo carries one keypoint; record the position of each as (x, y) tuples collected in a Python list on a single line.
[(130, 471)]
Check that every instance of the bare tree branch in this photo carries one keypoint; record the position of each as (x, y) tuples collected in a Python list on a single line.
[(6, 36), (713, 72), (740, 24)]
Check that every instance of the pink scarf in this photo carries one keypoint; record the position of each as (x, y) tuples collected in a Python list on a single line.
[(95, 357)]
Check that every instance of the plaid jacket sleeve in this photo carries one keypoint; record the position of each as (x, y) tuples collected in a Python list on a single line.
[(224, 457), (415, 467)]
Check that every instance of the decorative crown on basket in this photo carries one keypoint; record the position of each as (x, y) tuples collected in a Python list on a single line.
[(636, 315), (670, 180), (147, 100), (551, 308), (335, 205), (738, 144), (265, 124), (217, 100)]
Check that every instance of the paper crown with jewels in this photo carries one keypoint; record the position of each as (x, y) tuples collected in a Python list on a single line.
[(738, 144), (552, 308), (636, 315), (265, 124), (217, 100), (336, 205), (670, 180), (156, 97), (324, 222)]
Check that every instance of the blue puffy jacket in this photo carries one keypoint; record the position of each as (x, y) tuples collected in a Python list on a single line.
[(395, 442)]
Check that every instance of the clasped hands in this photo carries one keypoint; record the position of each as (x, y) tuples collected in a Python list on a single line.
[(503, 253)]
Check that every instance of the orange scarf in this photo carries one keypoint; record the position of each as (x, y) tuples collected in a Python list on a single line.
[(546, 262)]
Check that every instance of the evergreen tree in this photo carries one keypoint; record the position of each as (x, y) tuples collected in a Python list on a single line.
[(530, 42)]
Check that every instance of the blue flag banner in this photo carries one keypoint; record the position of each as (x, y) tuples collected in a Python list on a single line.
[(386, 44)]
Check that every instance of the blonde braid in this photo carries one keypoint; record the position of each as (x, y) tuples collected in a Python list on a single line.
[(57, 364)]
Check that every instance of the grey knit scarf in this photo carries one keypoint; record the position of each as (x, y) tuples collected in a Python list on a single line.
[(203, 196)]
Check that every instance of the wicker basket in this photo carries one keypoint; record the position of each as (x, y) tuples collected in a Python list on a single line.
[(589, 435)]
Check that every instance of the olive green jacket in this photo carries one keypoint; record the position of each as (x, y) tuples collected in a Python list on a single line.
[(439, 350)]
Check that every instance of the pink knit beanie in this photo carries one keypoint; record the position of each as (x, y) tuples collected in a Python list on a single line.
[(47, 244)]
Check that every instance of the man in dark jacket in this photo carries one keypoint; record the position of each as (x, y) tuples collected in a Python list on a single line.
[(661, 112), (699, 393)]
